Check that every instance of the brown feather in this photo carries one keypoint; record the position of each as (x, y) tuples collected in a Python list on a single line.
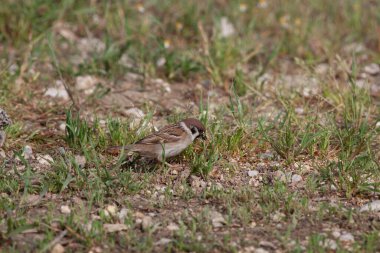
[(167, 134)]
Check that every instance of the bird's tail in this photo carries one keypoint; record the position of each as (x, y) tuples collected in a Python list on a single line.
[(115, 150)]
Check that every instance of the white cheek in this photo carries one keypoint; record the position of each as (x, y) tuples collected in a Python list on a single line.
[(195, 135)]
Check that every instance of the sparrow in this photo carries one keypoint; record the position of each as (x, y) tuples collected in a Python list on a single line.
[(167, 142)]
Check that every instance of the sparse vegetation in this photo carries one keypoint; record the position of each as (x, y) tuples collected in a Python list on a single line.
[(288, 91)]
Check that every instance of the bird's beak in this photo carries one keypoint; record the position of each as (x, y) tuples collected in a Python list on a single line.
[(203, 136)]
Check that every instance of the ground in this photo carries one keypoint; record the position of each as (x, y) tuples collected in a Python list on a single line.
[(289, 93)]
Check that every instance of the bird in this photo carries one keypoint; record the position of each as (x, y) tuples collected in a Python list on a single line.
[(167, 142)]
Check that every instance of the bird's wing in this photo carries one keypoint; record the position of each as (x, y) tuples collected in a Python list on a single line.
[(167, 134)]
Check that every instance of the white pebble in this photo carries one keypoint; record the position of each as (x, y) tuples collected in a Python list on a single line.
[(373, 206), (347, 237), (253, 173), (65, 209), (27, 152), (296, 178)]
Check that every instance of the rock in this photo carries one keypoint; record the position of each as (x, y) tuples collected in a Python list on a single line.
[(281, 176), (27, 152), (378, 125), (163, 241), (372, 69), (336, 233), (161, 62), (146, 223), (65, 209), (299, 110), (253, 173), (267, 244), (122, 214), (2, 153), (322, 69), (111, 228), (172, 227), (373, 206), (45, 159), (3, 136), (86, 83), (296, 178), (4, 119), (59, 91), (266, 156), (61, 150), (227, 29), (111, 210), (217, 219), (261, 250), (330, 244), (164, 85), (32, 199), (58, 248), (354, 48), (347, 237), (62, 126), (197, 183), (80, 161), (135, 113), (277, 216)]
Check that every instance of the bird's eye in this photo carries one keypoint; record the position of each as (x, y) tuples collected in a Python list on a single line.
[(193, 130)]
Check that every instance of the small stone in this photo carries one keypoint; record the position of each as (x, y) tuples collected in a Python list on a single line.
[(373, 206), (45, 159), (164, 85), (80, 161), (322, 69), (65, 209), (135, 112), (59, 91), (378, 125), (197, 183), (3, 136), (330, 244), (266, 156), (2, 153), (4, 119), (58, 248), (227, 29), (372, 69), (123, 213), (253, 173), (172, 227), (299, 110), (95, 250), (336, 234), (62, 126), (111, 210), (347, 237), (163, 241), (27, 152), (61, 150), (277, 216), (86, 83), (146, 223), (267, 244), (161, 62), (296, 178), (279, 175), (261, 250), (217, 219), (111, 228)]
